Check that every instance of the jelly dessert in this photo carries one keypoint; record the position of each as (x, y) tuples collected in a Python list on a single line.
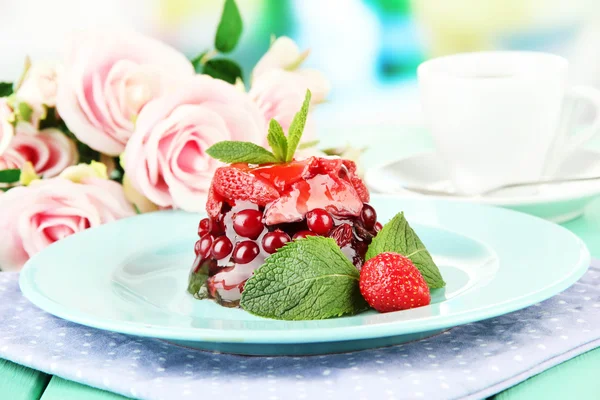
[(253, 210)]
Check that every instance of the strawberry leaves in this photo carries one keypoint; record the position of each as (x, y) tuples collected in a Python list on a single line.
[(283, 148)]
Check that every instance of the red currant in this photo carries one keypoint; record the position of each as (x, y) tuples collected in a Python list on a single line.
[(248, 223), (378, 227), (203, 227), (202, 246), (217, 227), (368, 216), (274, 240), (303, 234), (245, 252), (319, 221), (221, 247)]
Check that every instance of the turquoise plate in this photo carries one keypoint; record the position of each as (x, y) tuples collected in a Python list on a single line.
[(130, 276)]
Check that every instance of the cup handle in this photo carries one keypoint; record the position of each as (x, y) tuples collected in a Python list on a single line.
[(571, 141)]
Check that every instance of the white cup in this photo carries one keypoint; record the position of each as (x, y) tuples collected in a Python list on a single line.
[(495, 116)]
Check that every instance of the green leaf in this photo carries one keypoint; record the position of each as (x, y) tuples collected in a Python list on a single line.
[(24, 111), (240, 152), (10, 175), (230, 28), (297, 127), (197, 62), (306, 279), (6, 89), (224, 69), (277, 140), (398, 237), (197, 282)]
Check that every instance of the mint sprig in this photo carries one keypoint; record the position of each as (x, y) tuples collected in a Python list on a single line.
[(283, 147), (297, 128), (277, 140), (306, 279), (241, 152), (397, 236)]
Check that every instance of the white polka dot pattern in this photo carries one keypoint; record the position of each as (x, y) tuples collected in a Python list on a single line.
[(474, 360)]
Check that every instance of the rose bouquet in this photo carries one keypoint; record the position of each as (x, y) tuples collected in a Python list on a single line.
[(120, 126)]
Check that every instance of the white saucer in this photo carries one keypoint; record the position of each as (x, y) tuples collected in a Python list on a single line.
[(556, 202)]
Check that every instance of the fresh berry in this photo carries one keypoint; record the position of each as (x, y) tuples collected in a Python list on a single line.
[(235, 184), (214, 203), (248, 223), (391, 282), (203, 227), (221, 247), (202, 246), (303, 234), (342, 234), (319, 221), (368, 216), (378, 227), (274, 240), (245, 252)]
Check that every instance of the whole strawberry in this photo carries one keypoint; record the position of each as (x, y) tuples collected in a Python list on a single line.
[(391, 282)]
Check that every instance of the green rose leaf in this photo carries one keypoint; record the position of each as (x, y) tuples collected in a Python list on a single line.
[(224, 69), (197, 62), (397, 236), (230, 28), (10, 175), (304, 280), (6, 89)]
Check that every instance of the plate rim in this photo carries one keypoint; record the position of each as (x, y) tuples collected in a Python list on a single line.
[(521, 200), (316, 335)]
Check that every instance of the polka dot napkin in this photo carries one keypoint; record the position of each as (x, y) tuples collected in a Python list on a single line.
[(470, 361)]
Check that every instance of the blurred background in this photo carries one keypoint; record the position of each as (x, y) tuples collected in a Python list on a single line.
[(369, 49)]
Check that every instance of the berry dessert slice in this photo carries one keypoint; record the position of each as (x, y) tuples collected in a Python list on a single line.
[(260, 202)]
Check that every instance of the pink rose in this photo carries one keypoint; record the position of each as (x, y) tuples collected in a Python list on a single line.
[(166, 158), (39, 87), (279, 94), (11, 159), (7, 130), (49, 150), (283, 54), (108, 78), (35, 216)]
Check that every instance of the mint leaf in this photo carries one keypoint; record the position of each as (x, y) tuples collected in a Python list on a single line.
[(398, 237), (240, 152), (306, 279), (6, 89), (223, 69), (297, 127), (230, 28), (10, 175), (197, 282), (277, 140)]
